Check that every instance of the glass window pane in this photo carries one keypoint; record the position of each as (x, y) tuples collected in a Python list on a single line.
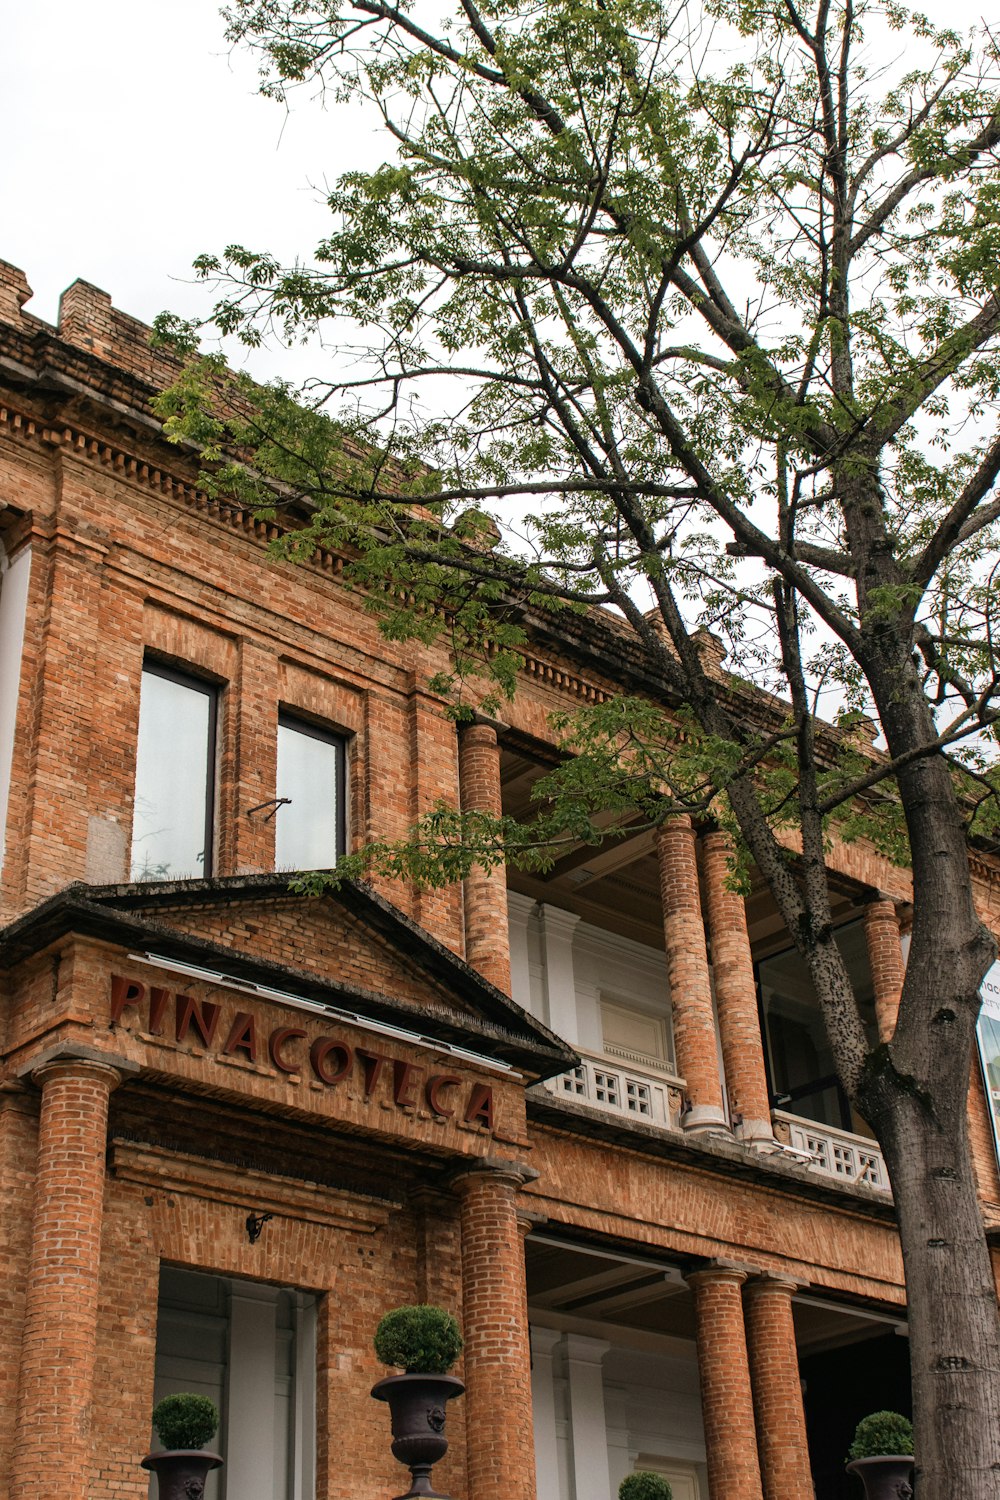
[(307, 826), (172, 780), (802, 1068)]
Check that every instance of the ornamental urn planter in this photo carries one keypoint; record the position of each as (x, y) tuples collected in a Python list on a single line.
[(889, 1476), (181, 1472), (417, 1408)]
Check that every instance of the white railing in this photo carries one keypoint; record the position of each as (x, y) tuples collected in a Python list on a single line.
[(621, 1087), (835, 1153)]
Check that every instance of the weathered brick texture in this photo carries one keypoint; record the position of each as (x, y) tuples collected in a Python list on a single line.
[(735, 993), (486, 943), (724, 1375), (777, 1392), (695, 1043), (497, 1356), (53, 1439), (886, 958)]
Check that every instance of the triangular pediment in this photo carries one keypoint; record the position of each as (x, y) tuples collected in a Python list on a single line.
[(349, 948)]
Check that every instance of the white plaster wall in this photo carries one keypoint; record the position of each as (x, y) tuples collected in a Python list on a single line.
[(645, 1406), (14, 579), (554, 957)]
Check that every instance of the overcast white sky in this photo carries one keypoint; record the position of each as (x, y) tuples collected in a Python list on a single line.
[(133, 140)]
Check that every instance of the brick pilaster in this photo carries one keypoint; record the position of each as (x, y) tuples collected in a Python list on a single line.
[(487, 945), (695, 1043), (501, 1459), (52, 1453), (886, 959), (724, 1375), (735, 994), (777, 1390)]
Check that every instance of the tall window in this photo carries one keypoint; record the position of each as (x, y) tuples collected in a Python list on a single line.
[(309, 827), (174, 777), (799, 1057)]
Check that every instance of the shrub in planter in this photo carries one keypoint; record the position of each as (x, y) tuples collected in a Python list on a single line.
[(184, 1424), (422, 1340), (881, 1456), (185, 1420), (644, 1485), (425, 1342), (880, 1434)]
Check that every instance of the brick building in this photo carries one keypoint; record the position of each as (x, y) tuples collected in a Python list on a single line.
[(594, 1112)]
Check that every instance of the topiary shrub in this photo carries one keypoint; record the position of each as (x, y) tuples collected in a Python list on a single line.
[(185, 1420), (881, 1433), (422, 1340), (644, 1485)]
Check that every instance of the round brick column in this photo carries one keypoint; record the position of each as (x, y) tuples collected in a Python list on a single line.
[(886, 959), (695, 1043), (487, 944), (777, 1390), (724, 1376), (52, 1453), (499, 1437), (735, 994)]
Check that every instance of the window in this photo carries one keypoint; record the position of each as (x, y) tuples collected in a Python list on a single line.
[(174, 777), (799, 1057), (309, 826)]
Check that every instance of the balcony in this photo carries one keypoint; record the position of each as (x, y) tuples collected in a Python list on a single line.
[(834, 1153), (622, 1084), (630, 1087)]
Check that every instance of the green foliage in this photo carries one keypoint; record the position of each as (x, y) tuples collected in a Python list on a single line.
[(422, 1340), (563, 423), (882, 1432), (644, 1485), (185, 1420)]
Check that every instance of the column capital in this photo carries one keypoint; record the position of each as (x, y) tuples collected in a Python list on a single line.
[(544, 1341), (77, 1058), (557, 920), (587, 1350), (774, 1281), (515, 1174), (520, 908), (480, 731), (718, 1272)]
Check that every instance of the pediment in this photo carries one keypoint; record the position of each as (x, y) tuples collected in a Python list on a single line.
[(349, 949)]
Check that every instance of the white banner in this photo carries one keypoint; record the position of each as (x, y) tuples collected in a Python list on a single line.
[(988, 1036)]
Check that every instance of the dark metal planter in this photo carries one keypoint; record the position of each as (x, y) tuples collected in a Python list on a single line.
[(181, 1472), (417, 1407), (888, 1477)]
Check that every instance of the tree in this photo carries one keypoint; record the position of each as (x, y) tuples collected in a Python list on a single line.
[(690, 311)]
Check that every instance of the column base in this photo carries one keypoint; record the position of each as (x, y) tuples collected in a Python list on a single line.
[(702, 1119), (755, 1132)]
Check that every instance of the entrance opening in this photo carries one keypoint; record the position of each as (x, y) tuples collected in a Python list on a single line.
[(251, 1348), (849, 1368)]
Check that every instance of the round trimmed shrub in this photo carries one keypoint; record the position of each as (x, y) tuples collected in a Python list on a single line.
[(881, 1433), (185, 1420), (422, 1340), (644, 1485)]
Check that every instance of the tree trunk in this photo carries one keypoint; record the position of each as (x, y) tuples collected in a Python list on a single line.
[(952, 1299), (915, 1095)]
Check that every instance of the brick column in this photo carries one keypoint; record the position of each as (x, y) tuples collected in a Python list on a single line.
[(695, 1045), (735, 994), (486, 940), (499, 1441), (724, 1375), (886, 959), (52, 1453), (777, 1391)]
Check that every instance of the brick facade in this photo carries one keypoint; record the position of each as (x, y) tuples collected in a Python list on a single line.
[(352, 1070)]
